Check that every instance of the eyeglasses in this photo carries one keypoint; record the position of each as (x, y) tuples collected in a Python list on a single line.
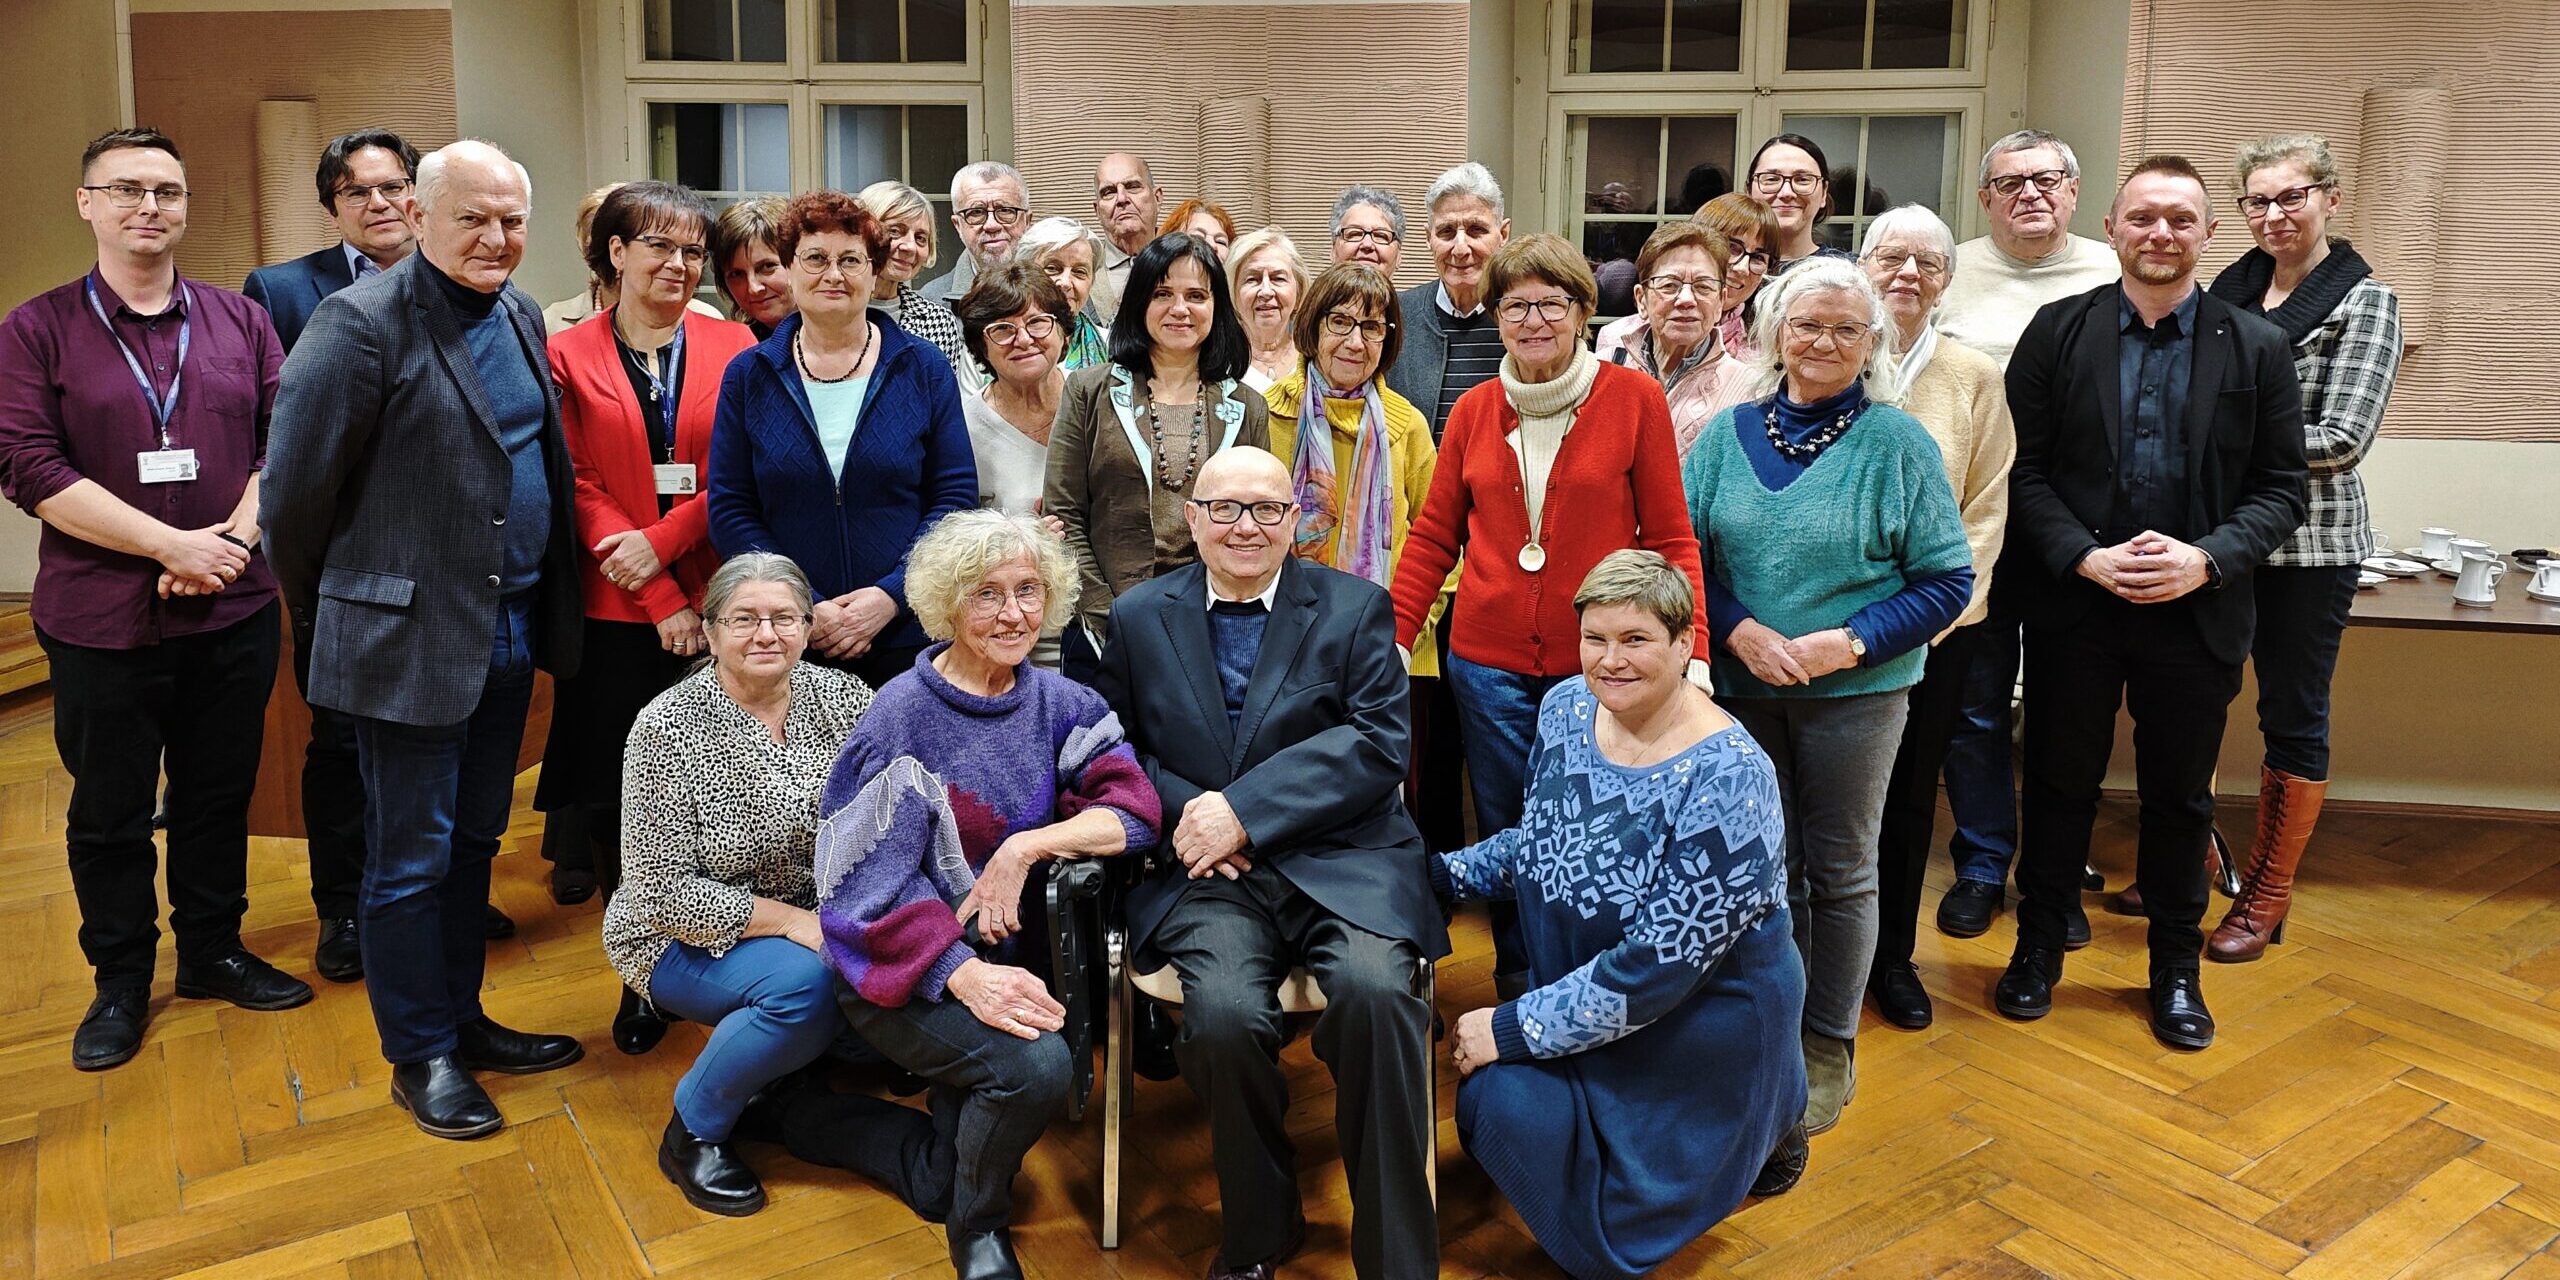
[(1932, 265), (2289, 199), (1357, 236), (1771, 182), (1001, 215), (1340, 326), (694, 255), (394, 191), (1671, 286), (1551, 310), (1228, 510), (125, 195), (1848, 334), (1756, 259), (988, 602), (815, 263), (2047, 181), (1037, 328), (744, 626)]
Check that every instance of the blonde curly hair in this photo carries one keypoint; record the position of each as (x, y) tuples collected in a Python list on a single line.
[(954, 557)]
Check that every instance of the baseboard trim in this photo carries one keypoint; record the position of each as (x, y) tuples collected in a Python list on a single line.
[(2492, 813)]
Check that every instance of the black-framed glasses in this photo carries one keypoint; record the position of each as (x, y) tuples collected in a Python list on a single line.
[(394, 191), (815, 263), (1671, 287), (694, 255), (1002, 215), (744, 626), (2046, 182), (1846, 334), (1357, 236), (1228, 510), (126, 195), (1770, 182), (1933, 265), (1759, 259), (1340, 326), (1518, 310), (2289, 199), (1037, 328), (989, 601)]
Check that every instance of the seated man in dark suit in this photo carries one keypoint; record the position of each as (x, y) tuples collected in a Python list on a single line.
[(1266, 700)]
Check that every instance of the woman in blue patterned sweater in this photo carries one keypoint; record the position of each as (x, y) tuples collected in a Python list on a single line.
[(1649, 870)]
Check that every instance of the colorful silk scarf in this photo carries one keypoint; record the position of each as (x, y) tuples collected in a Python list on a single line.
[(1367, 520)]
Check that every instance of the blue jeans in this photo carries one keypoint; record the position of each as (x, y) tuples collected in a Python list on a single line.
[(439, 800), (771, 1007), (1497, 720), (1981, 786)]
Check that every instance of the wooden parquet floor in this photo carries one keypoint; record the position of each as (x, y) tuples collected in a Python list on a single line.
[(2384, 1102)]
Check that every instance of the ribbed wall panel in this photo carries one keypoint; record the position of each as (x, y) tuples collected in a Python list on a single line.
[(1337, 94), (2445, 122)]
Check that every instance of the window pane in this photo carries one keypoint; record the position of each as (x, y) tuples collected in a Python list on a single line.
[(937, 145), (1826, 35), (1706, 35), (919, 146), (1833, 35), (862, 146), (1878, 162), (1625, 35), (1611, 248), (1702, 160), (937, 31), (721, 149), (1919, 33), (1621, 163), (894, 31), (862, 31), (714, 30)]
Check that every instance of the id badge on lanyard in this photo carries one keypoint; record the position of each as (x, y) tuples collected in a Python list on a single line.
[(166, 464), (674, 479)]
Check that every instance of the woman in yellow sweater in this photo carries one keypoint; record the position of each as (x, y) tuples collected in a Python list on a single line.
[(1361, 479)]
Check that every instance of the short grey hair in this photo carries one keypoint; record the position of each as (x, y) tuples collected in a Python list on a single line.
[(2310, 149), (746, 569), (1356, 195), (1912, 220), (431, 168), (1049, 235), (1469, 179), (1644, 580), (890, 199), (1255, 241), (2026, 140), (1819, 276), (983, 172), (962, 548)]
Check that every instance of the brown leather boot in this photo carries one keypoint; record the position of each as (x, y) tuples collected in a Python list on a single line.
[(2288, 807), (2127, 901)]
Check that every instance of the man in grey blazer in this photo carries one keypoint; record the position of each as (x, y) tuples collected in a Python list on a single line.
[(418, 516)]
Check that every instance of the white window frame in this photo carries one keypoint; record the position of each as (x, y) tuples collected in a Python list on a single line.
[(1956, 202), (1764, 57), (800, 64)]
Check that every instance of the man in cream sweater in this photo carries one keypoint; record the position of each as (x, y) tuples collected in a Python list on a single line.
[(2030, 185)]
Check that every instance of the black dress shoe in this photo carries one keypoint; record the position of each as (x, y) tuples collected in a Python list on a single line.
[(1967, 909), (1785, 1165), (572, 885), (984, 1255), (2026, 987), (244, 980), (486, 1046), (111, 1031), (1268, 1268), (712, 1178), (2075, 927), (2178, 1015), (637, 1025), (1899, 996), (338, 957), (444, 1099), (496, 924), (1151, 1044)]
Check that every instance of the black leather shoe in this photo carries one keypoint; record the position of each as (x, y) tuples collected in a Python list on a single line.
[(496, 924), (2178, 1015), (712, 1178), (1967, 909), (444, 1099), (111, 1031), (1899, 996), (572, 885), (1151, 1046), (1785, 1165), (338, 957), (1269, 1268), (486, 1046), (637, 1024), (2075, 927), (2026, 987), (984, 1255), (244, 980)]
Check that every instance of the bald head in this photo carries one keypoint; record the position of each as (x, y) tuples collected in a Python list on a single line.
[(1242, 553), (1245, 474), (473, 203), (1125, 200)]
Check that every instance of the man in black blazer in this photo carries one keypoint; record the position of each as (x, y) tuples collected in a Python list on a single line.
[(418, 516), (1265, 698), (2160, 459), (364, 182)]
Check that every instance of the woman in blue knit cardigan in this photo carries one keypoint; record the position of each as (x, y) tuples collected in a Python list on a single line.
[(839, 440)]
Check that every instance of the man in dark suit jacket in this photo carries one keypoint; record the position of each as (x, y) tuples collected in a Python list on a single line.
[(419, 518), (2160, 459), (1266, 700), (364, 182)]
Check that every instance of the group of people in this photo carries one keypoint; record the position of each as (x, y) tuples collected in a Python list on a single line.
[(1157, 541)]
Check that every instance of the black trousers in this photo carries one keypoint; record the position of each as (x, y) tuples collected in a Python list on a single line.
[(2150, 660), (994, 1094), (1911, 794), (1232, 942), (2302, 612), (197, 706), (332, 799)]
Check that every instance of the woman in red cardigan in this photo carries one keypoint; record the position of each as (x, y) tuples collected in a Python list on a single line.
[(1594, 444), (638, 385)]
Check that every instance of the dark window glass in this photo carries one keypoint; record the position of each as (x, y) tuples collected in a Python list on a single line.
[(1706, 35), (895, 31), (1826, 35), (715, 31), (1919, 34)]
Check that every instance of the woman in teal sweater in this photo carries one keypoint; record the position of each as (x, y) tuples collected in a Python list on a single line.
[(1833, 552)]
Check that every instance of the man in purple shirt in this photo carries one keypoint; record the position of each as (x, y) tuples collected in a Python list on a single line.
[(133, 420)]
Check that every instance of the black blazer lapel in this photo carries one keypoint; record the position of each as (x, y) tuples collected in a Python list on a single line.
[(2204, 381), (330, 273), (1293, 613), (2101, 364), (1186, 625)]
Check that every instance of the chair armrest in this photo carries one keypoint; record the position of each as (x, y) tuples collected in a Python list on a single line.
[(1075, 967)]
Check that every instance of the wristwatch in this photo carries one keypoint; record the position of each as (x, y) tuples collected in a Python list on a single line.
[(1857, 646)]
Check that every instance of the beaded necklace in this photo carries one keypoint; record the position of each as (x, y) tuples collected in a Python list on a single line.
[(1191, 459)]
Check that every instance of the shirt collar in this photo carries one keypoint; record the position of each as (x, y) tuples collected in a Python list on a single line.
[(117, 306), (1269, 593), (358, 265), (2180, 321), (1112, 258), (1441, 296)]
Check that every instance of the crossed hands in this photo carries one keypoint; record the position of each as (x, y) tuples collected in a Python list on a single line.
[(845, 626), (201, 562), (1210, 840), (1777, 660), (2149, 568)]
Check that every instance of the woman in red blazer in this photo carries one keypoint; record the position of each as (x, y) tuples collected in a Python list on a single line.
[(639, 512)]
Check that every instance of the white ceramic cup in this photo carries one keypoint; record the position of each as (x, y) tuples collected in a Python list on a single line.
[(2464, 548), (2438, 543), (2478, 584), (2546, 578)]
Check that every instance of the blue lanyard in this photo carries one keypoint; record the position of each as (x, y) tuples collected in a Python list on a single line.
[(161, 410), (663, 390)]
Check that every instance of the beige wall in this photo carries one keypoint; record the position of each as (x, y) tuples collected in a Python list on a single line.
[(2076, 52), (518, 80)]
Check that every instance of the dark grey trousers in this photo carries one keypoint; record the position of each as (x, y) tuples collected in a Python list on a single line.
[(993, 1095), (1233, 942)]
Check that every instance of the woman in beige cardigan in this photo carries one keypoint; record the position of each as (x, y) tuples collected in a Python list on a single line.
[(1956, 393), (1131, 435)]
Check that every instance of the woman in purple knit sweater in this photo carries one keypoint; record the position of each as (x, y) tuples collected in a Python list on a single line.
[(968, 771)]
